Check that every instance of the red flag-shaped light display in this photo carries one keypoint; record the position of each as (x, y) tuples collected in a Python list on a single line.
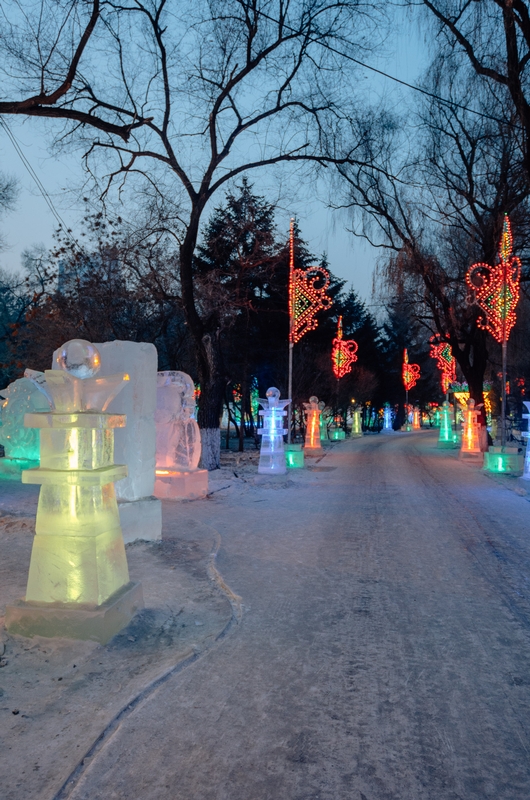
[(411, 372), (443, 354), (342, 353), (496, 289)]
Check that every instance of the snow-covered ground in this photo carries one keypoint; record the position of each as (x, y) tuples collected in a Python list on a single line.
[(376, 613)]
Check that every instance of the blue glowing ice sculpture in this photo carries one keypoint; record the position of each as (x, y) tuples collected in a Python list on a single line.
[(387, 419), (272, 454)]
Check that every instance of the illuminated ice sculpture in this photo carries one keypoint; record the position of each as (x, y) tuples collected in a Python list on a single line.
[(387, 419), (356, 425), (272, 454), (446, 438), (471, 437), (78, 583), (323, 422), (416, 420), (21, 444), (178, 439), (312, 444)]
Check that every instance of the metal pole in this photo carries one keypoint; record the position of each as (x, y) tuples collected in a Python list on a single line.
[(503, 401), (504, 348), (290, 393), (291, 329)]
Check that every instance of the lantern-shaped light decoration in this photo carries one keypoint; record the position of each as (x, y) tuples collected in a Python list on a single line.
[(312, 444), (443, 354), (496, 289), (411, 372), (272, 453), (342, 353)]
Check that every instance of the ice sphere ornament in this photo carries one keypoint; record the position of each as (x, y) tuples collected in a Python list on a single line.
[(178, 439), (272, 454), (78, 583)]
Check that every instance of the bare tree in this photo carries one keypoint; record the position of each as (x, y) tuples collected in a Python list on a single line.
[(186, 97), (494, 36), (439, 206)]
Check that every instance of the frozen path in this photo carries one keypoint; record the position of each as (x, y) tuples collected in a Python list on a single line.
[(383, 653)]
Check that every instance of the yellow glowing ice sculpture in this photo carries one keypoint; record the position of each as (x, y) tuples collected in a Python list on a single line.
[(78, 555), (357, 426), (416, 421)]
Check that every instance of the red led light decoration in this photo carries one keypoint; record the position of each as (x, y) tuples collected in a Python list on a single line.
[(307, 296), (343, 353), (443, 354), (411, 372), (496, 289)]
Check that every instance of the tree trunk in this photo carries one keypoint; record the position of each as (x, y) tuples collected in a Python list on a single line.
[(208, 349), (211, 400)]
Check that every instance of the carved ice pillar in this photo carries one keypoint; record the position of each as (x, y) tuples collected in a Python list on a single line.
[(78, 582), (272, 453), (446, 438), (471, 436), (312, 444)]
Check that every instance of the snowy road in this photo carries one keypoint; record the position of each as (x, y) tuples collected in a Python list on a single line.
[(383, 653)]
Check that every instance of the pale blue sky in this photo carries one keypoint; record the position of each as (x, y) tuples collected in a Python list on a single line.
[(323, 229)]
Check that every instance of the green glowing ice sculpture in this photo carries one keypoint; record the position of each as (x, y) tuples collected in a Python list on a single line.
[(446, 438), (78, 582), (21, 444)]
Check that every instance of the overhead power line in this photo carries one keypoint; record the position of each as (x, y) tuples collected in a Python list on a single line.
[(38, 182), (433, 95)]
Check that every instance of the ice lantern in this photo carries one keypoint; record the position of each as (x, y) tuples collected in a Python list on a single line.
[(312, 444), (178, 439), (471, 437), (272, 454), (387, 419), (446, 439), (78, 583), (357, 425)]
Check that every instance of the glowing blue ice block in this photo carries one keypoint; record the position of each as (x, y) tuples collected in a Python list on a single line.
[(272, 453)]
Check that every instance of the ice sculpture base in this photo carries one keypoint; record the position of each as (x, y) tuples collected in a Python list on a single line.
[(294, 456), (11, 468), (444, 444), (471, 455), (95, 623), (141, 519), (504, 460), (314, 452), (185, 485), (337, 435)]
